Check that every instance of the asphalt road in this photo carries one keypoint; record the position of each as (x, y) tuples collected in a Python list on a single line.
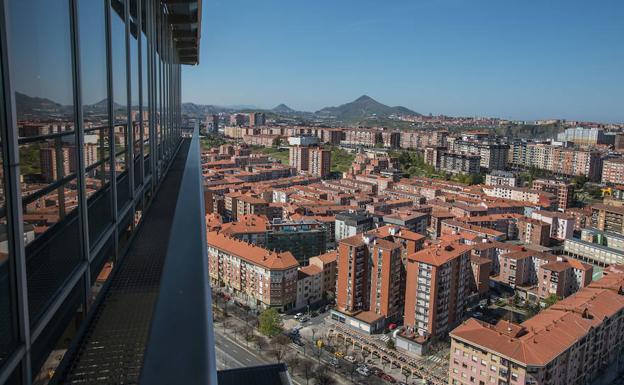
[(230, 355)]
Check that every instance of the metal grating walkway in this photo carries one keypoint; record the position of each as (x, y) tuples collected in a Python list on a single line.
[(111, 349)]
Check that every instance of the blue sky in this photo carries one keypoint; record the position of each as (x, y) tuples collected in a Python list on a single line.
[(521, 59)]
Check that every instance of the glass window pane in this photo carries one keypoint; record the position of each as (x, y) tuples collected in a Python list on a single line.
[(42, 67), (93, 69), (120, 98), (8, 331), (145, 57)]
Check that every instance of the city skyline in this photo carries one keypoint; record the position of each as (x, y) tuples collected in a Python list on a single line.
[(522, 61)]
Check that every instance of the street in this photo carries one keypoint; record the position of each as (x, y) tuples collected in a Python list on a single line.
[(230, 355)]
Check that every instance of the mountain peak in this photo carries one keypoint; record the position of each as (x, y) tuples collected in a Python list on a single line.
[(364, 107), (283, 108), (364, 98)]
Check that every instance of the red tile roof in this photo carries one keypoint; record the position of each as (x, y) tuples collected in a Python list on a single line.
[(253, 254)]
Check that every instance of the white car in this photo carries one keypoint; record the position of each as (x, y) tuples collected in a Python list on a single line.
[(363, 371), (298, 315), (349, 358)]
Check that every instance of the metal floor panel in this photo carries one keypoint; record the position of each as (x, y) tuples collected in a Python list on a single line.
[(111, 349)]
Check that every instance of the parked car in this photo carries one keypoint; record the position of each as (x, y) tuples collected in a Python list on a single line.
[(298, 315), (374, 370), (339, 354), (334, 362), (304, 319), (349, 358), (363, 371), (389, 378), (299, 342)]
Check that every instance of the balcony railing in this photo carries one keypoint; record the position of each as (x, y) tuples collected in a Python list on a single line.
[(180, 349)]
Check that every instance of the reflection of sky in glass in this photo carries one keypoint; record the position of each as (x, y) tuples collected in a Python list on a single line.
[(41, 49), (118, 36), (92, 50)]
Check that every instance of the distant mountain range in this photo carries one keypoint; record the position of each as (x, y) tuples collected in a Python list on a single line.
[(362, 108)]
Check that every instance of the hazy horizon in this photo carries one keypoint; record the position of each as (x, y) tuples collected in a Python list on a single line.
[(560, 59)]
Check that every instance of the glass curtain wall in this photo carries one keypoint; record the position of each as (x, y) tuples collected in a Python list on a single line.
[(86, 117)]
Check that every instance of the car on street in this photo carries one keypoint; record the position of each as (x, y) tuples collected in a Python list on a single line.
[(298, 341), (298, 315), (363, 371), (334, 362), (339, 354), (303, 319), (388, 378), (351, 359)]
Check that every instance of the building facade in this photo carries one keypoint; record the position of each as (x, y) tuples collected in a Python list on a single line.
[(106, 76)]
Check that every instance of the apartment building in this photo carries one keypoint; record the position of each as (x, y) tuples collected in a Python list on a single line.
[(562, 278), (386, 297), (613, 171), (583, 136), (537, 275), (371, 277), (492, 155), (556, 159), (350, 224), (578, 340), (562, 190), (481, 270), (596, 247), (361, 137), (328, 263), (608, 218), (320, 162), (533, 231), (561, 224), (309, 286), (537, 198), (451, 162), (419, 140), (259, 277), (500, 178), (438, 283), (312, 160), (299, 157)]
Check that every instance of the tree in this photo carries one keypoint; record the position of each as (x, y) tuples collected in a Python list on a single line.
[(551, 300), (270, 322), (261, 342), (280, 346), (293, 362), (390, 344), (318, 352), (307, 369), (322, 377), (351, 368)]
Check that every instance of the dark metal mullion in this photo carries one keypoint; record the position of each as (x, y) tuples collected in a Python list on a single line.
[(149, 34), (13, 197), (83, 218), (39, 138), (111, 124), (130, 128)]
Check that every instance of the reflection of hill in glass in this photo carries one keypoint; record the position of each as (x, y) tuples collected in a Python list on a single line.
[(32, 106)]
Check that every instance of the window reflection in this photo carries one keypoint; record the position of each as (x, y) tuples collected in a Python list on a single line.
[(7, 303), (94, 83), (120, 97), (42, 68)]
